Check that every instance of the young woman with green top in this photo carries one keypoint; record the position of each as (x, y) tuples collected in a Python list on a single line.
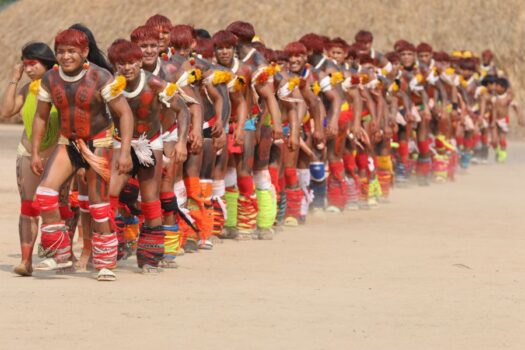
[(36, 59)]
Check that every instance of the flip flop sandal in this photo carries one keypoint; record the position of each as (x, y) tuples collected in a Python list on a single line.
[(106, 275), (51, 264)]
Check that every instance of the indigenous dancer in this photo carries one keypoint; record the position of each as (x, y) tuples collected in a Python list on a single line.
[(79, 90), (265, 118), (163, 25), (146, 37), (145, 93), (297, 194), (502, 101), (37, 58), (224, 43), (199, 76), (332, 98), (95, 56)]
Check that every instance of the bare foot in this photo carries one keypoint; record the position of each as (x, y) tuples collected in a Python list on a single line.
[(85, 259), (23, 269)]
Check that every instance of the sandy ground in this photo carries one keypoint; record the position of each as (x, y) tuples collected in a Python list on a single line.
[(438, 268)]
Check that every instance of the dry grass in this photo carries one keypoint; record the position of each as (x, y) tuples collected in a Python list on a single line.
[(460, 24)]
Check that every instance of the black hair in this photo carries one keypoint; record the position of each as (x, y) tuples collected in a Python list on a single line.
[(39, 51), (489, 79), (202, 33), (95, 54), (503, 82)]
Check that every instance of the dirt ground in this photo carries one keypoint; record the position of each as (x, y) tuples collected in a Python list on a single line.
[(438, 268)]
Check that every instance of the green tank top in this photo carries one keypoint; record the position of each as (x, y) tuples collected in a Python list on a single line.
[(28, 114)]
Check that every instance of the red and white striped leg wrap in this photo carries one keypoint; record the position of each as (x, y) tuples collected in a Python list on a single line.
[(105, 250), (55, 242), (100, 212), (353, 189), (83, 203), (336, 186), (294, 198), (47, 199), (30, 208)]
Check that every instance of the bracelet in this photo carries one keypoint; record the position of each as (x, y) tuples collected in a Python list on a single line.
[(13, 82)]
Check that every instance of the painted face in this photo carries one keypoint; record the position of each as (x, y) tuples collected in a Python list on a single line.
[(424, 57), (184, 51), (34, 69), (296, 63), (337, 54), (130, 70), (70, 58), (407, 58), (224, 55), (164, 39), (150, 51)]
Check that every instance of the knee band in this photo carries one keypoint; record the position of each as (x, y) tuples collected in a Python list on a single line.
[(362, 161), (403, 150), (349, 162), (218, 188), (317, 171), (83, 203), (262, 180), (47, 199), (245, 184), (193, 186), (29, 208), (230, 179), (423, 147), (130, 193), (290, 176), (303, 178), (66, 212), (151, 210), (100, 212), (336, 169), (168, 202)]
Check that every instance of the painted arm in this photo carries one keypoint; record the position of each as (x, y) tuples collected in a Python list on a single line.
[(121, 110), (12, 102), (38, 130), (314, 108), (333, 112), (266, 92), (195, 134), (180, 152)]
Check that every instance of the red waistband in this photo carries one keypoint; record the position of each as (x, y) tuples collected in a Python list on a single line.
[(103, 134)]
